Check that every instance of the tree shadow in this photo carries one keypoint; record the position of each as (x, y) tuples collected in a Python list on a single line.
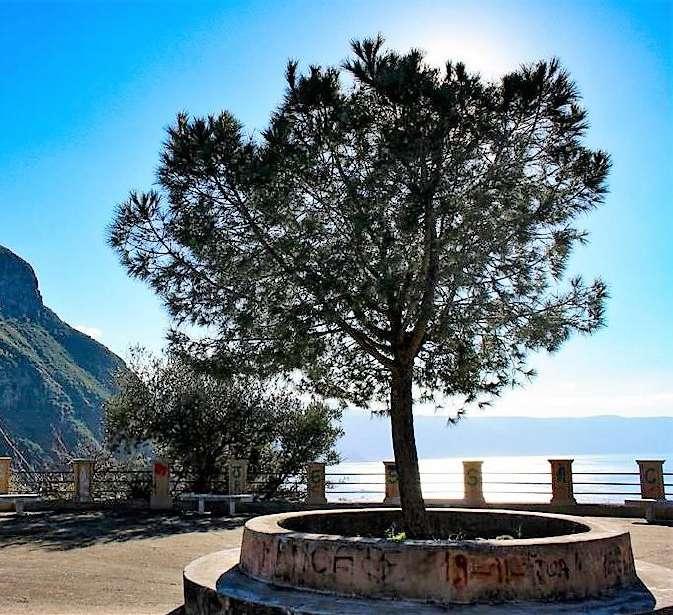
[(664, 522), (75, 530)]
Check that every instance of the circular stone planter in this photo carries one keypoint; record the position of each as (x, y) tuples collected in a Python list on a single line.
[(550, 558)]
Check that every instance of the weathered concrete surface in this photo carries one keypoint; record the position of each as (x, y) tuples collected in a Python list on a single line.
[(653, 550), (98, 563), (561, 567), (392, 484), (315, 479), (235, 593), (562, 481), (5, 473), (103, 563), (582, 510), (200, 580), (160, 498), (472, 483), (82, 471), (652, 479)]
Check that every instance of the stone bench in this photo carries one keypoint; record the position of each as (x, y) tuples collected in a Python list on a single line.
[(202, 498), (19, 499), (650, 507)]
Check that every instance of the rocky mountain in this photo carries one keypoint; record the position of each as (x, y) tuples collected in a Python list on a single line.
[(53, 378)]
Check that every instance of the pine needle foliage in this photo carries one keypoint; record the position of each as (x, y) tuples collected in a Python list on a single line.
[(404, 225)]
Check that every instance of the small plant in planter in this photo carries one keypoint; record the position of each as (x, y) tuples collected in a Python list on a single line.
[(393, 533)]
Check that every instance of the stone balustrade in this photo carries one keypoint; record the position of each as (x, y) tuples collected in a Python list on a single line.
[(473, 483), (160, 498), (392, 493), (652, 482), (651, 473), (315, 483), (238, 476), (562, 481), (652, 479), (5, 473), (82, 470)]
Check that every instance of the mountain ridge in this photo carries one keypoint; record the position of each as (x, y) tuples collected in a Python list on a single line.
[(53, 378)]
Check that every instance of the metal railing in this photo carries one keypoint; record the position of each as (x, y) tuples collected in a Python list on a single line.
[(50, 484), (111, 484), (106, 484), (88, 481), (511, 486)]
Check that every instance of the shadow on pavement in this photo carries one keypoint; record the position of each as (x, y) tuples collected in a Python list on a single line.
[(75, 530), (663, 522)]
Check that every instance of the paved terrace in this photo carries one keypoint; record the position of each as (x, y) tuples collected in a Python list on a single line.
[(102, 563)]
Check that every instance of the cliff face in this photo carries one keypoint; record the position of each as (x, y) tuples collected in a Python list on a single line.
[(19, 294), (53, 378)]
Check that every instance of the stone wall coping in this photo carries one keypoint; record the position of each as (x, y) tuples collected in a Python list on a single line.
[(562, 567), (271, 525)]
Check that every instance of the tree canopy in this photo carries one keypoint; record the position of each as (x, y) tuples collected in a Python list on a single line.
[(200, 423), (395, 223)]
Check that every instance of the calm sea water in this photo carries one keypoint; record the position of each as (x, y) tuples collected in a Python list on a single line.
[(506, 479)]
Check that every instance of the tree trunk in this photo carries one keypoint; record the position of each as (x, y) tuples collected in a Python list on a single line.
[(414, 517)]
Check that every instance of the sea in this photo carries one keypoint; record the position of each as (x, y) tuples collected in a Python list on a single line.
[(596, 478)]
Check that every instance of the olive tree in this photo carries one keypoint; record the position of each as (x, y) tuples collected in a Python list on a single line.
[(200, 422), (398, 230)]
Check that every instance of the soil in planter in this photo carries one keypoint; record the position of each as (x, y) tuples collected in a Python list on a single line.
[(445, 525)]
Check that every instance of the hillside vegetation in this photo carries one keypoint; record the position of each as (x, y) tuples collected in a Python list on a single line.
[(53, 378)]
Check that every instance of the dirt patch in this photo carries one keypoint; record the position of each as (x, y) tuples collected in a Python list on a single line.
[(102, 563), (446, 525)]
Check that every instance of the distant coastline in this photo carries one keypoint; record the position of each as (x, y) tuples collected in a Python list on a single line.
[(367, 438)]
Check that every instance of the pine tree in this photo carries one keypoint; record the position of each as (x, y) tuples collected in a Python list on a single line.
[(398, 230)]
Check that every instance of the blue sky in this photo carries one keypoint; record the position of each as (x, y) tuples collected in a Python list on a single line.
[(87, 89)]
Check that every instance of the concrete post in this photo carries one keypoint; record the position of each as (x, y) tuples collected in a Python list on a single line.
[(5, 474), (82, 470), (315, 487), (651, 479), (160, 498), (472, 481), (238, 476), (562, 481), (392, 483)]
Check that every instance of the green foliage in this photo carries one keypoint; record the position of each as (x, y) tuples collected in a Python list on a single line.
[(418, 217), (53, 380), (406, 225), (199, 422), (394, 534)]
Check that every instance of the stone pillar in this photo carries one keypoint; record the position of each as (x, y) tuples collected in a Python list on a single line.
[(562, 481), (315, 486), (5, 473), (82, 470), (474, 494), (651, 479), (238, 476), (161, 497), (392, 483)]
